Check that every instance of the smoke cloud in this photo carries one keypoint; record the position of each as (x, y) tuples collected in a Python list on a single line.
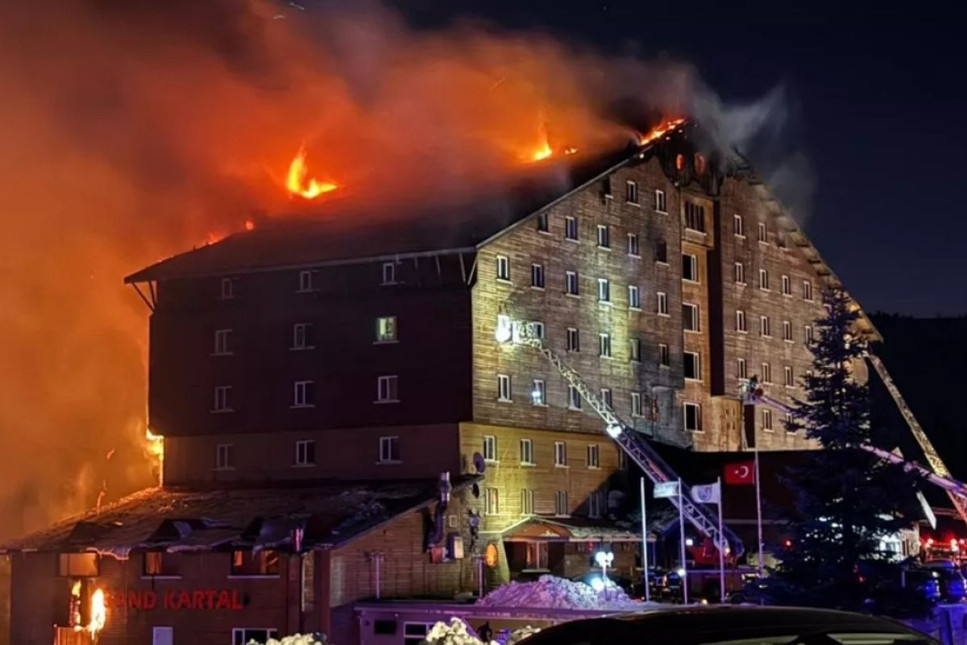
[(135, 130)]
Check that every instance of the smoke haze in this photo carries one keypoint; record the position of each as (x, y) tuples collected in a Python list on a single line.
[(135, 130)]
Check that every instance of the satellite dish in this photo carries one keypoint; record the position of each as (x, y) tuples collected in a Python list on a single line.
[(479, 463)]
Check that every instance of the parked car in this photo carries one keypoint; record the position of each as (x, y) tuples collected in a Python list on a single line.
[(714, 625), (953, 585)]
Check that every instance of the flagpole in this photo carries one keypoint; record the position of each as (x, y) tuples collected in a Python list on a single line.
[(758, 510), (722, 543), (644, 542), (681, 529)]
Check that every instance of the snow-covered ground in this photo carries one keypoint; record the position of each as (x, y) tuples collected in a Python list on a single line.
[(551, 592)]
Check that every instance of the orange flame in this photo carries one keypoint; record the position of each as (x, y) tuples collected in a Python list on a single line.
[(249, 225), (659, 131), (156, 449), (299, 183), (98, 613)]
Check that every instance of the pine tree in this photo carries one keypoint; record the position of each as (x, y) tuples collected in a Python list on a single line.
[(847, 499)]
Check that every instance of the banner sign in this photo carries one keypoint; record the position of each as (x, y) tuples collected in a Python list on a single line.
[(665, 490), (175, 600)]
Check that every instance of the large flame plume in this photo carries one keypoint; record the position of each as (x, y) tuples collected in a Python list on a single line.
[(298, 182), (97, 609)]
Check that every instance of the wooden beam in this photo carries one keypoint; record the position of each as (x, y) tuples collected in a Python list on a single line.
[(141, 294)]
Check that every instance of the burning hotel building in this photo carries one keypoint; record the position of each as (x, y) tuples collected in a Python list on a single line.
[(341, 424)]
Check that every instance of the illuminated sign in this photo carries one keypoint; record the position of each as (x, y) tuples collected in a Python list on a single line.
[(490, 555), (175, 600)]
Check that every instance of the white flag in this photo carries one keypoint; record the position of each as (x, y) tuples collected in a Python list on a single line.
[(707, 493), (665, 490)]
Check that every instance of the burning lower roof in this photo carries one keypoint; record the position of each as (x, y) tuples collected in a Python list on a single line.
[(173, 520)]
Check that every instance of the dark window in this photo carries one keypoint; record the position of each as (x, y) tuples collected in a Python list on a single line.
[(695, 217), (542, 223), (537, 276), (631, 192), (693, 368), (604, 237), (245, 635), (570, 228), (690, 317), (661, 251), (689, 267)]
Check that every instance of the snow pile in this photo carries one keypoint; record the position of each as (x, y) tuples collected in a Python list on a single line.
[(551, 592), (295, 639), (458, 632)]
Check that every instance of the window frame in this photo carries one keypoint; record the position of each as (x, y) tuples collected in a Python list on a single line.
[(604, 291), (738, 226), (527, 456), (526, 502), (738, 273), (604, 235), (788, 376), (686, 405), (539, 385), (634, 350), (307, 281), (661, 202), (571, 280), (303, 394), (664, 355), (634, 297), (573, 333), (223, 344), (387, 456), (636, 409), (631, 192), (223, 403), (807, 290), (741, 322), (571, 226), (543, 223), (388, 384), (384, 339), (593, 456), (389, 274), (505, 393), (787, 331), (490, 449), (574, 401), (560, 454), (561, 504), (305, 453), (502, 268), (491, 501), (224, 456), (661, 304), (764, 280), (767, 420), (634, 245), (696, 363), (786, 285), (762, 233), (741, 369), (226, 289), (308, 338), (765, 327), (766, 373), (691, 260), (695, 318), (537, 276), (604, 345)]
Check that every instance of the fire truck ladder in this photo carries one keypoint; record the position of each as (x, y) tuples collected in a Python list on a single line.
[(752, 394), (629, 439)]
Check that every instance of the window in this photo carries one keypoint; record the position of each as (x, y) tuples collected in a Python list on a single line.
[(389, 272), (631, 192), (594, 456), (634, 297), (560, 453), (527, 452), (542, 223), (661, 252), (539, 392), (387, 389), (560, 502), (305, 452), (79, 565), (245, 635), (573, 398), (490, 448), (664, 356), (570, 229), (808, 334), (636, 404), (786, 330), (690, 316), (738, 225), (604, 236), (786, 286), (763, 236), (660, 201), (606, 396), (537, 328), (571, 283), (526, 501), (790, 423), (227, 289), (155, 564), (223, 344), (492, 502), (740, 323), (694, 217), (739, 273), (389, 450), (787, 376), (606, 188), (386, 329), (693, 366), (765, 329), (634, 349), (633, 249), (689, 267), (604, 345), (662, 300), (537, 276), (807, 290), (223, 396), (763, 279), (413, 633), (303, 394), (604, 290), (595, 504), (766, 373), (573, 340), (741, 369), (767, 420), (302, 336), (224, 456), (693, 417), (503, 268), (503, 387), (306, 281)]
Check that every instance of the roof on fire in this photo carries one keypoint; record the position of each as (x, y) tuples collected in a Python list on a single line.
[(176, 520)]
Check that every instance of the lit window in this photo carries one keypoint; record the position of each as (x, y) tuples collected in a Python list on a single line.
[(539, 392), (692, 366), (604, 236), (387, 389), (738, 225), (527, 452), (251, 563), (636, 404), (227, 289), (739, 273), (573, 398), (223, 344), (594, 456), (766, 373), (763, 236), (571, 283), (389, 273), (303, 394), (305, 453), (763, 279), (386, 329), (788, 378), (700, 164), (503, 268), (767, 420), (604, 290), (79, 565), (634, 349), (573, 340), (765, 329), (740, 323), (660, 201), (807, 290), (222, 402), (741, 369), (695, 217), (503, 387), (560, 503), (604, 345), (542, 224), (224, 456), (634, 297), (690, 317), (606, 396), (662, 301), (689, 267), (154, 564), (661, 252), (664, 356), (490, 448), (693, 416), (389, 450), (526, 501), (570, 229), (306, 281), (537, 276), (302, 336), (631, 192), (560, 453), (633, 249), (786, 286), (491, 505), (786, 330)]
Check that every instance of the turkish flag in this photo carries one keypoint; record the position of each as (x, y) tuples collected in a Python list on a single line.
[(740, 473)]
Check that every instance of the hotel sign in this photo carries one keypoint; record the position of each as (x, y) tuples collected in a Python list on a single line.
[(175, 600)]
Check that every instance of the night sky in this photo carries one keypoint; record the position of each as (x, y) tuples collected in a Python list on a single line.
[(880, 113)]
